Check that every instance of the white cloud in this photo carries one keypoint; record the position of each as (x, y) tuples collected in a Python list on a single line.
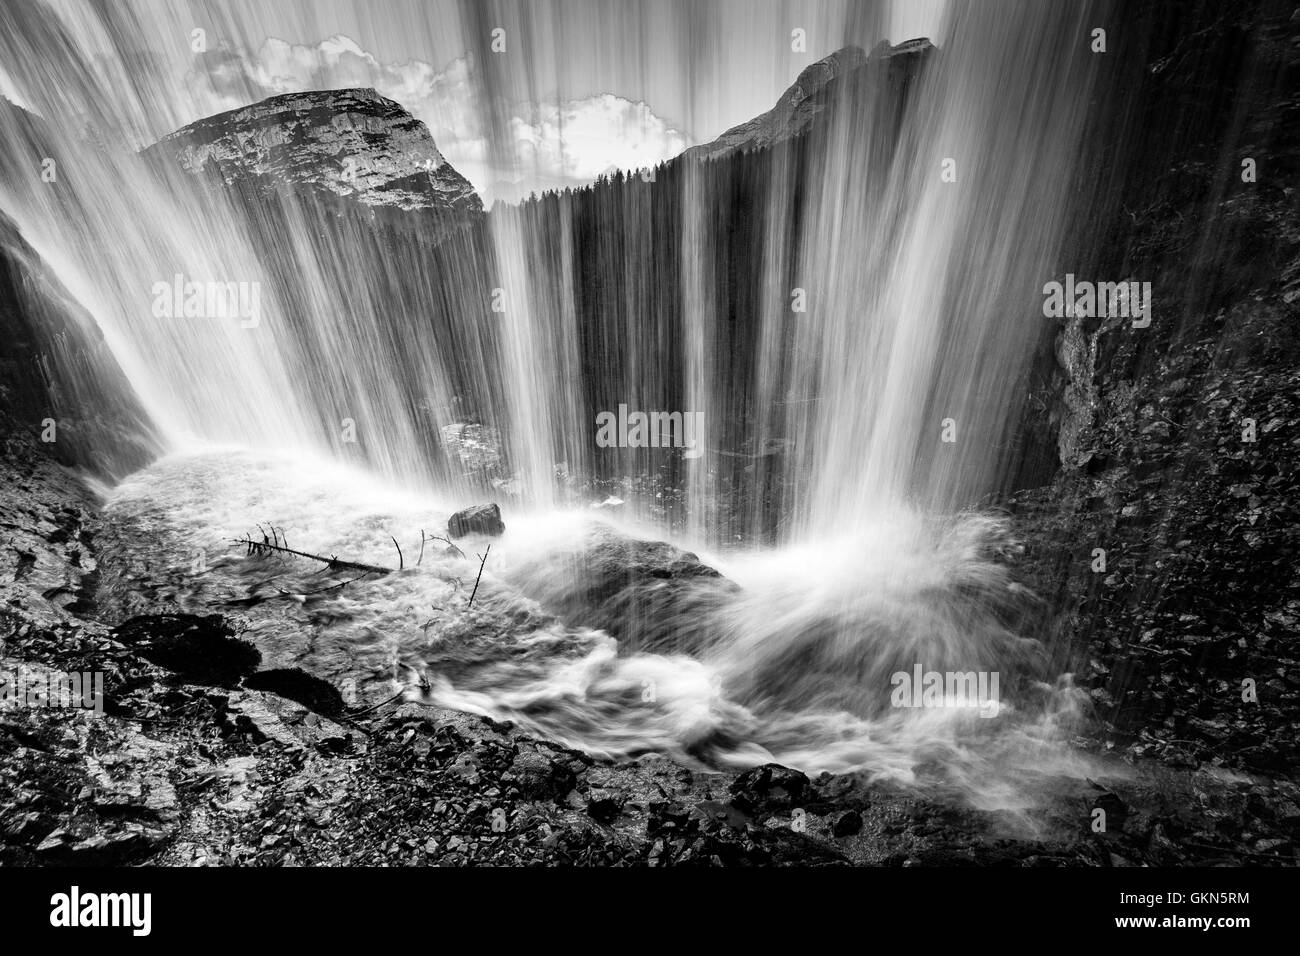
[(583, 138), (551, 145)]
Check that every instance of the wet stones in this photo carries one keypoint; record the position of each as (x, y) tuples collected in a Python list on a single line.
[(603, 808), (129, 844), (769, 787), (538, 777), (669, 819), (848, 823)]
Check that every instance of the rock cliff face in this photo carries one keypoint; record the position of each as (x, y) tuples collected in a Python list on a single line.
[(58, 377), (809, 96), (61, 388), (347, 142), (1169, 535)]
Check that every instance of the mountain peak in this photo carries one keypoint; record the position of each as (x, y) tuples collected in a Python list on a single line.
[(799, 104), (350, 142)]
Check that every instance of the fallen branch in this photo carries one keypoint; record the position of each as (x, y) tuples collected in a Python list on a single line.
[(340, 584), (401, 562), (482, 560), (459, 552), (359, 713), (265, 546)]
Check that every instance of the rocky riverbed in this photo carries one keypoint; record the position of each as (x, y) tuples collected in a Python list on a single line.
[(204, 756)]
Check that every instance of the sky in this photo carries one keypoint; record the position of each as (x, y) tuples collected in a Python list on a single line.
[(519, 95)]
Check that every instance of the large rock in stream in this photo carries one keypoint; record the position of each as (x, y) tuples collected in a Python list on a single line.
[(649, 595), (479, 519)]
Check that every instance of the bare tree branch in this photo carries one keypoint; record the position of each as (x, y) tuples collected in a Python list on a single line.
[(482, 560), (459, 552), (265, 546)]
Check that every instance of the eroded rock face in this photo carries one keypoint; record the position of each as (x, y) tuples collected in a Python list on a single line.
[(347, 142), (1077, 345), (1168, 537), (56, 370)]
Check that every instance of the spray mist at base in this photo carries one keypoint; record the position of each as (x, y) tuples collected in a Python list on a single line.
[(787, 657)]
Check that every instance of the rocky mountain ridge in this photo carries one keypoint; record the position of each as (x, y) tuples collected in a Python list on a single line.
[(350, 142), (810, 96)]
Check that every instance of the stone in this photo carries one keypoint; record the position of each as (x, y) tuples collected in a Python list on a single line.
[(770, 787), (848, 823), (604, 809), (538, 777), (478, 519)]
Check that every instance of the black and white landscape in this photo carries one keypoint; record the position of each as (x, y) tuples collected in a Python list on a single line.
[(578, 432)]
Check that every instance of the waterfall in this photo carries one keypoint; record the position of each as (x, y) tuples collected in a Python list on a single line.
[(850, 312), (925, 257), (914, 225)]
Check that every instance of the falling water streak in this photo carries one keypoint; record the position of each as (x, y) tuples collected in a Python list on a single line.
[(772, 412), (925, 292), (329, 318), (699, 301)]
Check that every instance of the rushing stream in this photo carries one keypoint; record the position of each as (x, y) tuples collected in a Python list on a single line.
[(793, 667)]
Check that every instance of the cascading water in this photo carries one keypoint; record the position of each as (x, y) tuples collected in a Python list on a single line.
[(914, 223)]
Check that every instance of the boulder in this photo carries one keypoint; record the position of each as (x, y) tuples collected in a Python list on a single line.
[(769, 787), (479, 519), (637, 591)]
